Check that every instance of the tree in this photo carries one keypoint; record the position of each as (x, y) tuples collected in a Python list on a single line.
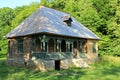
[(23, 12), (6, 15)]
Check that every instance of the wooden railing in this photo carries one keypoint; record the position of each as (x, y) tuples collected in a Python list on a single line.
[(55, 55)]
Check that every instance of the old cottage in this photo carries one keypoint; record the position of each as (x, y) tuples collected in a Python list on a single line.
[(50, 39)]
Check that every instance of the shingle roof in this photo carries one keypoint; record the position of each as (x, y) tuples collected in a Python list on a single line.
[(50, 21)]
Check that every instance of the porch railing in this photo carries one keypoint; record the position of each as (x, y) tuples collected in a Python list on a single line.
[(55, 55)]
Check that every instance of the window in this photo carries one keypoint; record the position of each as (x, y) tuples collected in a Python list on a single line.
[(94, 47), (36, 44), (20, 45), (9, 49), (75, 44), (83, 46)]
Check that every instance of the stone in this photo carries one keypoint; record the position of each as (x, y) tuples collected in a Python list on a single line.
[(49, 64), (75, 62)]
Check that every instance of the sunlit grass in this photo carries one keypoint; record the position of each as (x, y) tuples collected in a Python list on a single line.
[(108, 68)]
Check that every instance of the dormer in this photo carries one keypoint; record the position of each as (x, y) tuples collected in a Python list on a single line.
[(67, 20)]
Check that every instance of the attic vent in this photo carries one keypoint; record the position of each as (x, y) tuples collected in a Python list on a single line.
[(67, 20)]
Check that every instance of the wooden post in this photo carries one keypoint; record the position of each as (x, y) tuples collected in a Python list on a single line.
[(60, 46), (77, 45), (47, 45), (81, 46), (72, 46), (43, 46), (54, 45), (66, 45)]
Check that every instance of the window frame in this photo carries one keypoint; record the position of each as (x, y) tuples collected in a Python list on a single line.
[(20, 45), (9, 48), (94, 50)]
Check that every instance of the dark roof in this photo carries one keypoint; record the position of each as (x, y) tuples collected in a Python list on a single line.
[(49, 20)]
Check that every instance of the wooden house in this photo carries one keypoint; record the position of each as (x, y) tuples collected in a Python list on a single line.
[(50, 39)]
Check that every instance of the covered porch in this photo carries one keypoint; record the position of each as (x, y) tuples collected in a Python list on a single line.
[(56, 48)]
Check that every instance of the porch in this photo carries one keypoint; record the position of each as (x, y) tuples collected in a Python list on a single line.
[(56, 48)]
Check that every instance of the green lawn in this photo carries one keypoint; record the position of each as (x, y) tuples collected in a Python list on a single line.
[(108, 68)]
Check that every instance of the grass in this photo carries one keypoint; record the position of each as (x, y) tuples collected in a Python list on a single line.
[(108, 68)]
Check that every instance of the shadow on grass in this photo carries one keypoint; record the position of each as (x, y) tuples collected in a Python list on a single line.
[(6, 72), (112, 70), (72, 73), (69, 74)]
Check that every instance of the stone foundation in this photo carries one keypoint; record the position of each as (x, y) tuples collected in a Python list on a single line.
[(67, 63), (45, 65)]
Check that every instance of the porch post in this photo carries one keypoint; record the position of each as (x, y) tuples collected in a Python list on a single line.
[(44, 43), (47, 42), (67, 46), (41, 46), (77, 45), (81, 46), (47, 45), (72, 46), (58, 45), (55, 45), (44, 46)]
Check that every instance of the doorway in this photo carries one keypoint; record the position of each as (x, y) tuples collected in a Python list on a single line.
[(57, 64), (63, 46)]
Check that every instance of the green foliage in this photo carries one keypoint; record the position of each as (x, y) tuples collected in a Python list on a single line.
[(22, 13), (6, 16)]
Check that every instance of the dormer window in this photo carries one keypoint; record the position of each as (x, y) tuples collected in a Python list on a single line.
[(67, 20)]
